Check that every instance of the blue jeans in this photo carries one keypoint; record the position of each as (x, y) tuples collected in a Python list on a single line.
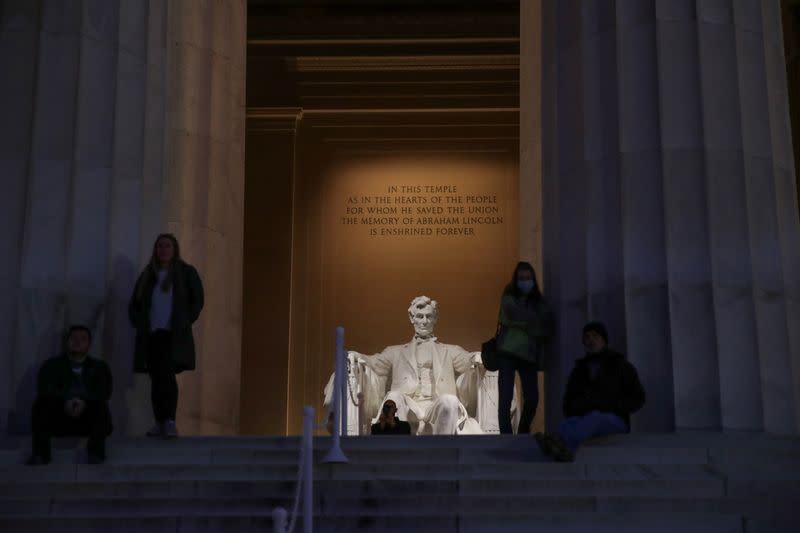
[(578, 429)]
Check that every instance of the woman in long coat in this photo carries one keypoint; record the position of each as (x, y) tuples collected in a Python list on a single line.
[(166, 301), (525, 325)]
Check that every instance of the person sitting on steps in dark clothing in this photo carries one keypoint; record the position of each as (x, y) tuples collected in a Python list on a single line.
[(602, 391), (72, 399), (388, 423)]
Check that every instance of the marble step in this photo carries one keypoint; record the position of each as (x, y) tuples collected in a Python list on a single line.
[(706, 482), (422, 505), (171, 455), (597, 522), (465, 471), (688, 487), (518, 471), (681, 440), (236, 463), (626, 449)]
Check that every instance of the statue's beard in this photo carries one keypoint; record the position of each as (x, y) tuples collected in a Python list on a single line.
[(423, 332)]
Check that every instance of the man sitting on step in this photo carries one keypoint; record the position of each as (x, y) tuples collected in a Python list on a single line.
[(72, 399), (602, 392)]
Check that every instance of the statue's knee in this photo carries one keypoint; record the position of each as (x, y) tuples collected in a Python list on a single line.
[(449, 402), (397, 397)]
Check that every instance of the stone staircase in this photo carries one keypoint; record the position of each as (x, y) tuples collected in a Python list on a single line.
[(687, 482)]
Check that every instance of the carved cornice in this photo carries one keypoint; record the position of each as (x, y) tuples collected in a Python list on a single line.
[(379, 41), (394, 63), (408, 111), (262, 119)]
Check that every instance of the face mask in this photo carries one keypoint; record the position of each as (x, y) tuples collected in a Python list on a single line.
[(526, 286)]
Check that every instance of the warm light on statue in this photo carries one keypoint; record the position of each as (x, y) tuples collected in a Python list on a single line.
[(438, 388)]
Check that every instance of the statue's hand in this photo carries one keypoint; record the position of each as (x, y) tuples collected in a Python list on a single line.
[(476, 359), (355, 357)]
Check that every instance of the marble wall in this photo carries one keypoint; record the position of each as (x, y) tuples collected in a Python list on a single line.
[(122, 119), (670, 208)]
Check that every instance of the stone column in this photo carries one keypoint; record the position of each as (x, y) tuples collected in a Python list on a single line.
[(19, 49), (270, 175), (530, 153), (84, 147), (670, 205), (205, 130)]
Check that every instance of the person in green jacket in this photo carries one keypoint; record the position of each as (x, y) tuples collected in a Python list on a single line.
[(166, 301), (525, 325), (72, 396)]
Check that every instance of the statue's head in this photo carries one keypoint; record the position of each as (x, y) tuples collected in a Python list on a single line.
[(423, 313)]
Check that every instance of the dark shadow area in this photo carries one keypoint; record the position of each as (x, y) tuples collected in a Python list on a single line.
[(117, 340)]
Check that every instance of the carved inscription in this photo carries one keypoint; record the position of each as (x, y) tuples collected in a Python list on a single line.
[(422, 211)]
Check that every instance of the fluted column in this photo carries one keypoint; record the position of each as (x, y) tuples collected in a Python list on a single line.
[(692, 106), (19, 46), (786, 204), (693, 332), (205, 128)]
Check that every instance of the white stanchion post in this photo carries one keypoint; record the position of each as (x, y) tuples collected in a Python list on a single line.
[(344, 404), (308, 469), (335, 454), (279, 515)]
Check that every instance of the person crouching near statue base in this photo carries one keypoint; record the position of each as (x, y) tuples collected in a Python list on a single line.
[(72, 397), (603, 390), (388, 423), (166, 301)]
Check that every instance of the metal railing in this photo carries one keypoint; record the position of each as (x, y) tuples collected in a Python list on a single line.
[(305, 471), (305, 482)]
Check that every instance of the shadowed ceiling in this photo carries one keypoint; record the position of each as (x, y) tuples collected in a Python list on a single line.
[(405, 74)]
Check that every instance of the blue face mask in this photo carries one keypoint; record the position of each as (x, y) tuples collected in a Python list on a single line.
[(526, 286)]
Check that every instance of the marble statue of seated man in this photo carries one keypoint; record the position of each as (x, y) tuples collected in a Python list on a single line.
[(431, 382)]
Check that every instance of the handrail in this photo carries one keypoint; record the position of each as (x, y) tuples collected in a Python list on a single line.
[(305, 474), (305, 481)]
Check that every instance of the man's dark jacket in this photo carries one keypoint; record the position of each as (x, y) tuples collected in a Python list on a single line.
[(187, 302), (400, 428), (615, 388), (55, 379)]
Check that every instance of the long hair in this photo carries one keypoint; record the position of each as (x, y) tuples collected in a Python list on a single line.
[(535, 295), (151, 271)]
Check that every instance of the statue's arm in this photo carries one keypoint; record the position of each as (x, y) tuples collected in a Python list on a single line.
[(468, 381), (464, 362), (328, 392), (353, 358), (380, 363)]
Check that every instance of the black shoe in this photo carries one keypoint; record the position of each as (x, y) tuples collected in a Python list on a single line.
[(544, 442), (560, 450), (553, 445), (95, 459), (36, 460)]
